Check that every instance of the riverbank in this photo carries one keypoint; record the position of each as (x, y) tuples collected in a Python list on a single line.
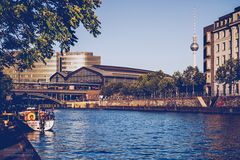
[(222, 110), (14, 144), (230, 104)]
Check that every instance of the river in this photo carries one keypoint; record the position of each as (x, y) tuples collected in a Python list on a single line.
[(109, 134)]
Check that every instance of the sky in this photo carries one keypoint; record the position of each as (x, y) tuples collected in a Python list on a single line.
[(151, 34)]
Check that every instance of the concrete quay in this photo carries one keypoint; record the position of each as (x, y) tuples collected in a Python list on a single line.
[(230, 104), (13, 143)]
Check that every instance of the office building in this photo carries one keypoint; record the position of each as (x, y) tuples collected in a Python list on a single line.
[(39, 73), (71, 61), (63, 63)]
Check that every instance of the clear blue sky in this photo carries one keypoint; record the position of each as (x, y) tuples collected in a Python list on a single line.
[(151, 34)]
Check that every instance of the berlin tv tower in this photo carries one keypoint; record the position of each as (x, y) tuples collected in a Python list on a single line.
[(194, 46)]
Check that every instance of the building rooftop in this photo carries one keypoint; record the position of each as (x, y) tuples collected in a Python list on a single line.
[(108, 71), (78, 53), (120, 69)]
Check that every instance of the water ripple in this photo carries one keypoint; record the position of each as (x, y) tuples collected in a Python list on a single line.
[(99, 134)]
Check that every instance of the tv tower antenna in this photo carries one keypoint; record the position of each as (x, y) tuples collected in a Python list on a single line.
[(194, 46)]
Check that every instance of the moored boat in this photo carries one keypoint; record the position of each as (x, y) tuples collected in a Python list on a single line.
[(37, 119)]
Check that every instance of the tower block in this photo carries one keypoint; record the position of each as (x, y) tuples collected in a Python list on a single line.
[(194, 46)]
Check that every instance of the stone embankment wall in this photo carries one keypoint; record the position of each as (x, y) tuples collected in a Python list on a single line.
[(193, 104), (171, 102), (14, 144), (228, 101)]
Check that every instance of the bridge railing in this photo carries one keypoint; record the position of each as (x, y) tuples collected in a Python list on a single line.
[(56, 86)]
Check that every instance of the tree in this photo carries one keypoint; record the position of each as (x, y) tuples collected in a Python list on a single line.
[(179, 81), (148, 84), (229, 73), (194, 80), (199, 81), (5, 87), (167, 86), (30, 29), (111, 88), (188, 75), (237, 69)]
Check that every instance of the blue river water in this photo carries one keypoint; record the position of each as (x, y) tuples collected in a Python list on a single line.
[(106, 134)]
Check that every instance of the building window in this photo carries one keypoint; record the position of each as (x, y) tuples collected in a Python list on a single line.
[(217, 24), (230, 89), (217, 35), (224, 59), (224, 90), (237, 88), (218, 61), (217, 49), (224, 33), (224, 46), (217, 89), (221, 23), (208, 37)]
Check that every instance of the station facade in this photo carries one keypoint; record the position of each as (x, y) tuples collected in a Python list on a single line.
[(97, 75)]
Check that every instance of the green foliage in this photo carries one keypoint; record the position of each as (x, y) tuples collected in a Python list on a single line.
[(5, 87), (237, 70), (111, 88), (32, 28), (167, 86), (158, 83), (223, 73), (179, 81), (199, 81), (190, 79), (229, 73)]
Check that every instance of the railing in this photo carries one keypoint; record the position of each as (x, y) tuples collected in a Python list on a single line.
[(160, 96), (56, 86)]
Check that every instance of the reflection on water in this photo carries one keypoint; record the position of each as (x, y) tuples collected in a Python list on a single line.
[(99, 134), (223, 131), (36, 136)]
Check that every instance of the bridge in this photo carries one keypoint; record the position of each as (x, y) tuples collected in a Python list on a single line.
[(58, 93)]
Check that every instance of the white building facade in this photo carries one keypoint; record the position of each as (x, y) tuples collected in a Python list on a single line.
[(221, 43)]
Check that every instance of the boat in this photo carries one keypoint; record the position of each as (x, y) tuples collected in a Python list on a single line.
[(7, 119), (38, 119)]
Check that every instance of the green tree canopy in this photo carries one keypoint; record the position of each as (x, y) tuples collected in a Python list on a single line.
[(228, 73), (30, 28), (167, 86), (159, 84), (111, 88), (5, 87), (190, 79), (179, 81)]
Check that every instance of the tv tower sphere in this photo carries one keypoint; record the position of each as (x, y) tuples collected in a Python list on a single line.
[(194, 46)]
